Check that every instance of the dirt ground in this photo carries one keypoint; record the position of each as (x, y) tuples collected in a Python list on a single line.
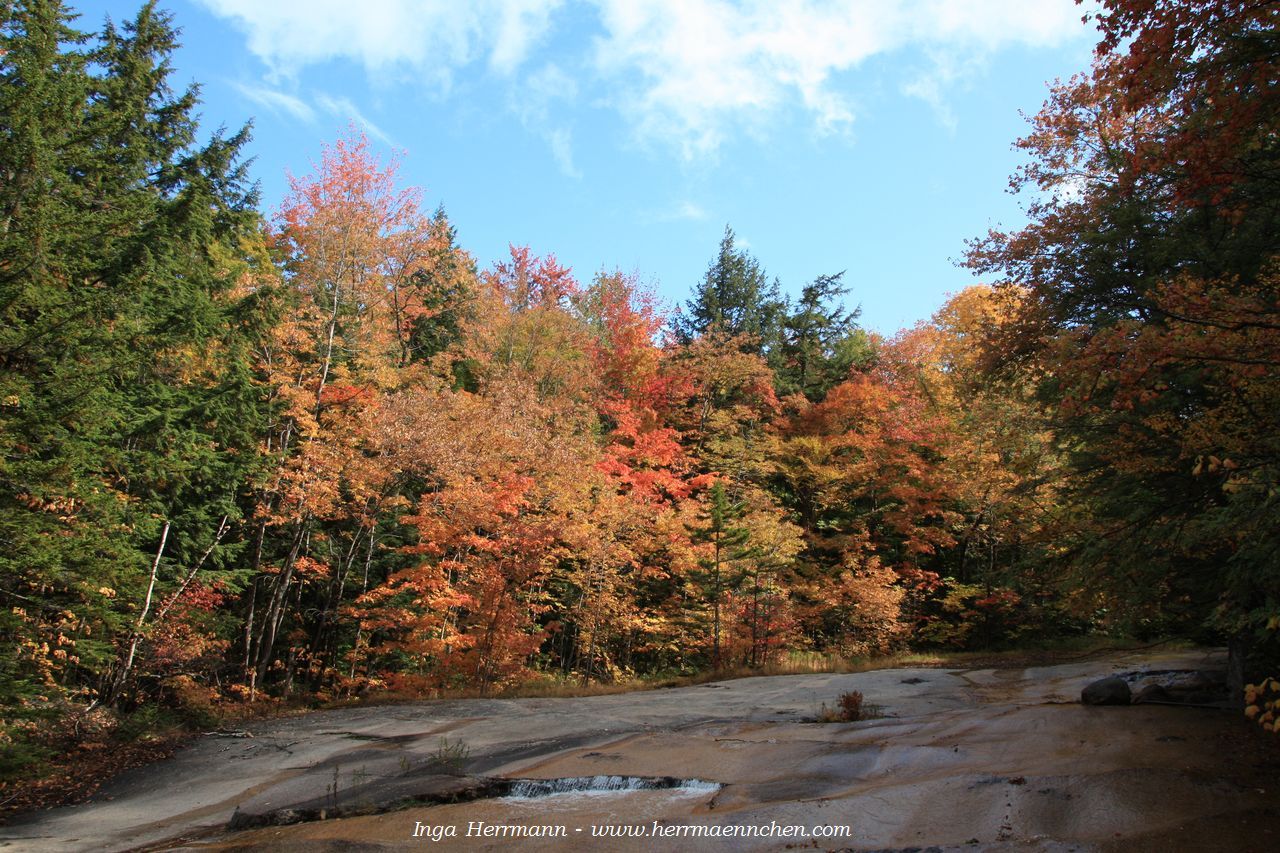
[(989, 759)]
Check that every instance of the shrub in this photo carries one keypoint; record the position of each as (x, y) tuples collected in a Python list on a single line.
[(850, 708), (1262, 704)]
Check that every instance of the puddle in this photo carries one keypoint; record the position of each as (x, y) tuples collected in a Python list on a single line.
[(561, 793), (528, 789)]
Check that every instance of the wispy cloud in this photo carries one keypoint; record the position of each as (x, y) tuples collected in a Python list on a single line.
[(561, 142), (343, 108), (277, 102), (687, 210), (292, 106), (521, 24), (433, 37), (947, 71), (695, 71), (685, 73), (681, 211), (690, 210), (536, 101)]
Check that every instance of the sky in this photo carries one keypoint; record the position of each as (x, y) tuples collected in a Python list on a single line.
[(869, 136)]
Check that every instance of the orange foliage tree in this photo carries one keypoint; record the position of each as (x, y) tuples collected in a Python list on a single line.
[(358, 255), (1150, 305)]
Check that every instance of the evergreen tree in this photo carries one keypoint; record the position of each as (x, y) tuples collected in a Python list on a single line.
[(822, 340), (735, 298), (128, 406), (447, 281), (730, 543), (49, 408)]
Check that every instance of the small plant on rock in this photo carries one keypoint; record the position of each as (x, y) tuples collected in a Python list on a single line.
[(850, 708), (450, 756)]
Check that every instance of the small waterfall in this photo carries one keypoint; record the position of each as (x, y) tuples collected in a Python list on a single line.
[(525, 789)]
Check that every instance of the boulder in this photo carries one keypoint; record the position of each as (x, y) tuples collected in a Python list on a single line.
[(1107, 691), (1186, 687), (1151, 693)]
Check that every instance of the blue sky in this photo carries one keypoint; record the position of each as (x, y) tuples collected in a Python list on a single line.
[(872, 136)]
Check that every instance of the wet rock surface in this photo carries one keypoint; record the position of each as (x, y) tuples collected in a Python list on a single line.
[(1167, 687), (1106, 691), (964, 759)]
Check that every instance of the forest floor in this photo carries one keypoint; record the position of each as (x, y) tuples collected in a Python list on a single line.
[(978, 757)]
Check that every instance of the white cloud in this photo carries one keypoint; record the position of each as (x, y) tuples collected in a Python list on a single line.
[(561, 142), (947, 71), (279, 103), (536, 99), (521, 23), (696, 70), (688, 73), (434, 37), (689, 210), (344, 108), (684, 210), (284, 104), (928, 87)]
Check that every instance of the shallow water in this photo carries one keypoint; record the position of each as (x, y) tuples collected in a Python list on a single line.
[(527, 789)]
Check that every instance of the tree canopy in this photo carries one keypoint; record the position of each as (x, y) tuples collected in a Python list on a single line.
[(248, 454)]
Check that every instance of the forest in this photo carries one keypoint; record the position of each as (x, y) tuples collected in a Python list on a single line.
[(315, 453)]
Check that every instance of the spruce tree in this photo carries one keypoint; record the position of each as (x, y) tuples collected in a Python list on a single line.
[(128, 405), (720, 572)]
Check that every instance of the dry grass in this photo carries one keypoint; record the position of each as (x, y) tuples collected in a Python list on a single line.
[(794, 663)]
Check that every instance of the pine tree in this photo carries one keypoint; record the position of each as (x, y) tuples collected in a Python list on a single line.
[(728, 542), (49, 408)]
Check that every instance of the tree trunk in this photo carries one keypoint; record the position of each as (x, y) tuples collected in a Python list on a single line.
[(1237, 650), (272, 617), (122, 675)]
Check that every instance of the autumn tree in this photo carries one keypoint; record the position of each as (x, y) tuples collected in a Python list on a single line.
[(1148, 274), (1000, 576), (862, 474), (644, 452), (722, 402), (1000, 451), (365, 270), (520, 327), (509, 487)]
